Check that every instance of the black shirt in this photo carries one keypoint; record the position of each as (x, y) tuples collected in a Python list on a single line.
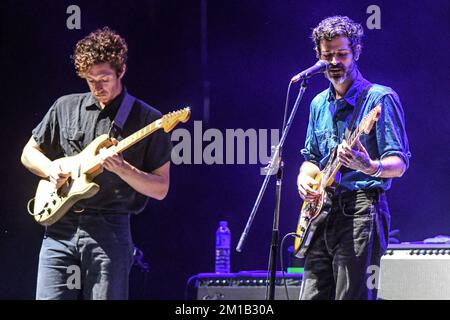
[(76, 120)]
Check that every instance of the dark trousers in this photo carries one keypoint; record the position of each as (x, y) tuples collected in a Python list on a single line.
[(86, 256), (347, 247)]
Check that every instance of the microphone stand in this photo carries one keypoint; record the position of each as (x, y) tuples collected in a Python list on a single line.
[(275, 166)]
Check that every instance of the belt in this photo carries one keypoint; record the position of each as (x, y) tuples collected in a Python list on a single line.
[(88, 211), (348, 195)]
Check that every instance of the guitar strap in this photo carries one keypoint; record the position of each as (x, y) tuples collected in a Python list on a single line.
[(357, 111), (122, 115), (349, 129)]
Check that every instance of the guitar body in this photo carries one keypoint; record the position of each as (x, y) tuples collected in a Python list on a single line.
[(311, 215), (52, 204)]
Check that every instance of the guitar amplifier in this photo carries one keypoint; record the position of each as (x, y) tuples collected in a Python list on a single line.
[(246, 285), (411, 271)]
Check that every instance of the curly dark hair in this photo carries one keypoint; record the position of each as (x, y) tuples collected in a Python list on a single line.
[(338, 26), (100, 46)]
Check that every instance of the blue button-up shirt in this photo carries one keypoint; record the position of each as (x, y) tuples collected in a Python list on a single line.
[(330, 116)]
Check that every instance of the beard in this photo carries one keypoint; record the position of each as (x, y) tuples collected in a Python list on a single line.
[(337, 79)]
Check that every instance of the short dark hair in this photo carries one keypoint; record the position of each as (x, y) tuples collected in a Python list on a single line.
[(100, 46), (338, 26)]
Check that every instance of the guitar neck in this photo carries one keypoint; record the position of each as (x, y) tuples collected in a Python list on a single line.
[(124, 144), (333, 165), (138, 136)]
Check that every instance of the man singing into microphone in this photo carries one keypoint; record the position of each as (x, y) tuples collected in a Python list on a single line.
[(354, 235)]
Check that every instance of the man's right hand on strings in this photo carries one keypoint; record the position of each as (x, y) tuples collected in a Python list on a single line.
[(305, 185), (57, 176)]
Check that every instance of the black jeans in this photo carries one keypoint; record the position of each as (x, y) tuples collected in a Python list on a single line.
[(86, 256), (347, 247)]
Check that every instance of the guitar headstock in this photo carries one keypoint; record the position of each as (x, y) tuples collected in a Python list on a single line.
[(370, 119), (170, 120)]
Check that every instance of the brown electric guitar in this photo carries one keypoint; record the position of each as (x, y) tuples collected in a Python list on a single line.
[(313, 213), (51, 204)]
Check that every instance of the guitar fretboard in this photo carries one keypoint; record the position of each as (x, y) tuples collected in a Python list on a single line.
[(138, 136), (124, 144), (333, 165)]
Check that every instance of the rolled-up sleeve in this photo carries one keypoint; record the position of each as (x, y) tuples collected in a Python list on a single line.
[(311, 150), (46, 133), (158, 149), (390, 129)]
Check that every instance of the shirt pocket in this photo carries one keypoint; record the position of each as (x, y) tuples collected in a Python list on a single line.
[(74, 138), (326, 141)]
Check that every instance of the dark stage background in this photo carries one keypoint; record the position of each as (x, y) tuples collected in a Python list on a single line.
[(254, 48)]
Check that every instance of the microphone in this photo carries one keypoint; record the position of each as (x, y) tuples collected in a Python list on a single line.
[(319, 67)]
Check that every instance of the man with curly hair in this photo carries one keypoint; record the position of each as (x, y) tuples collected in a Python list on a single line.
[(94, 237), (350, 241)]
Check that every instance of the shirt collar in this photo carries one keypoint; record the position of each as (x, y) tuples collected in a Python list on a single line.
[(92, 103), (353, 93)]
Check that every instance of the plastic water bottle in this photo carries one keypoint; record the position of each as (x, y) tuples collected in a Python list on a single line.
[(223, 242)]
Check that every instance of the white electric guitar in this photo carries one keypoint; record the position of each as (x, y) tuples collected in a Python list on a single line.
[(51, 204)]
